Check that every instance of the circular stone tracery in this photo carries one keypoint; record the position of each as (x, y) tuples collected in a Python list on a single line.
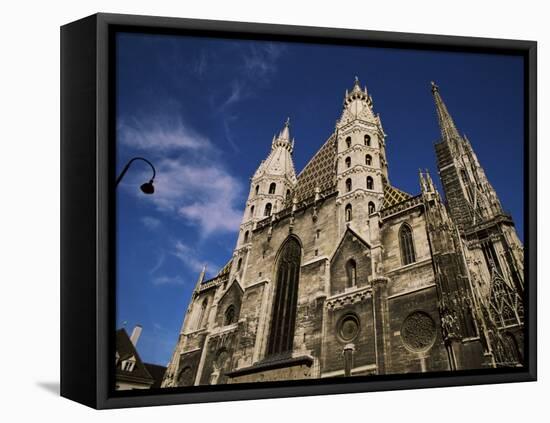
[(418, 331), (348, 329)]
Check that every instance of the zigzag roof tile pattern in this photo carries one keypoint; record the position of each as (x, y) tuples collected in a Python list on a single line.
[(393, 196), (319, 172)]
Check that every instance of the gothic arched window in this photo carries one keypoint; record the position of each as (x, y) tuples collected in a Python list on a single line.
[(239, 264), (372, 207), (202, 313), (287, 193), (348, 142), (348, 213), (185, 377), (348, 185), (368, 159), (348, 161), (257, 190), (285, 299), (367, 140), (351, 271), (272, 187), (267, 211), (245, 240), (406, 244), (229, 315), (370, 182), (252, 211)]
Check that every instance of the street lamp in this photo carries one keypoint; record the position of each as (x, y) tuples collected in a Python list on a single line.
[(147, 187)]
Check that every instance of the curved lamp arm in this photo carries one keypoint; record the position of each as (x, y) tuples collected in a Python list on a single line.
[(147, 187)]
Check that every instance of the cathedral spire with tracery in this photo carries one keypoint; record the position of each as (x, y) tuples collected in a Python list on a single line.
[(446, 123)]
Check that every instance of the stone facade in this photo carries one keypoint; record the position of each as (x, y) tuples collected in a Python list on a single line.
[(338, 273)]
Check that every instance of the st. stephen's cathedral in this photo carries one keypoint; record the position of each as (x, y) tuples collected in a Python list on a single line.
[(336, 272)]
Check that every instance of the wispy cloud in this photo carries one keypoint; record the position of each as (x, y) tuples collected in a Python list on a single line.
[(168, 280), (260, 60), (200, 65), (236, 94), (201, 193), (151, 223), (190, 259), (161, 134), (258, 64), (158, 264), (193, 183)]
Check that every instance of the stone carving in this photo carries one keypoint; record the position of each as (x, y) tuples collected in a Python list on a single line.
[(348, 327), (349, 298), (418, 331)]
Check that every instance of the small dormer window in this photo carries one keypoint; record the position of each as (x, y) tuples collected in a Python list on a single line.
[(348, 142), (272, 188), (128, 365)]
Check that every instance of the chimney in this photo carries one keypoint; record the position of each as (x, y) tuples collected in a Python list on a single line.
[(135, 334)]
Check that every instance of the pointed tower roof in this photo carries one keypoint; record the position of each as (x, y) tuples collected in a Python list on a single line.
[(446, 123), (357, 104), (283, 139), (279, 161)]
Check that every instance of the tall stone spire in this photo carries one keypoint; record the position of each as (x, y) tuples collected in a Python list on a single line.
[(470, 196), (446, 123)]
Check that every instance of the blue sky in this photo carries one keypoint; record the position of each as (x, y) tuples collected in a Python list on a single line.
[(204, 111)]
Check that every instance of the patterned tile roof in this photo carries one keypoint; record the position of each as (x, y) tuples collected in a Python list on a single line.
[(319, 172), (222, 275), (393, 196), (225, 269)]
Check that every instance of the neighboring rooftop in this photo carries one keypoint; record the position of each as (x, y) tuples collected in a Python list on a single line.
[(126, 350)]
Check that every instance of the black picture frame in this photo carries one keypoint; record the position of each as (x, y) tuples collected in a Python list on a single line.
[(87, 209)]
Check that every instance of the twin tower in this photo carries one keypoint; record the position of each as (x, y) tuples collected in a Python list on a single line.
[(360, 175)]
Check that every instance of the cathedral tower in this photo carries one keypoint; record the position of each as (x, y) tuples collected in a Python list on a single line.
[(492, 248), (270, 186), (362, 170), (470, 196)]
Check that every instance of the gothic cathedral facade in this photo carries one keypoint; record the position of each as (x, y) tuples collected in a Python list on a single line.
[(336, 272)]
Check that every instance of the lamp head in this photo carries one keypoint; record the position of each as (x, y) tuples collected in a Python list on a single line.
[(148, 187)]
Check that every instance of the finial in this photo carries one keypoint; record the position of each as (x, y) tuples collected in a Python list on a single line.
[(287, 123), (435, 87), (200, 280), (356, 80)]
